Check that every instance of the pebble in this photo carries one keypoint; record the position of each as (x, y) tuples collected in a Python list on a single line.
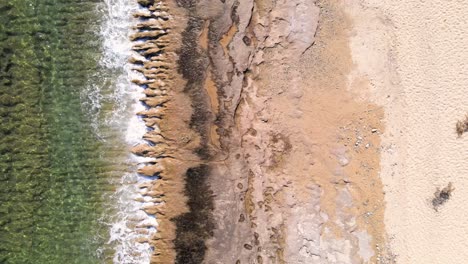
[(343, 161)]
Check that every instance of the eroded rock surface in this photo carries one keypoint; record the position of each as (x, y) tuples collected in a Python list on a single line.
[(264, 154)]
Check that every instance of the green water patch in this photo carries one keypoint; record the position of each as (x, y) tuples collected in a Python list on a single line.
[(51, 170)]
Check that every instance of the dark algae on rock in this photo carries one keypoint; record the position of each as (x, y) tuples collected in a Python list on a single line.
[(195, 226), (175, 75)]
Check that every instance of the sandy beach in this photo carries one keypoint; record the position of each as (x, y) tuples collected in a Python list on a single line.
[(414, 54)]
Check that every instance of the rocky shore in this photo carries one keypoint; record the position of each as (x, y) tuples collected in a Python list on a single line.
[(277, 130), (263, 154)]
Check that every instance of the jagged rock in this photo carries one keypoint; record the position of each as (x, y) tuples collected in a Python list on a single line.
[(150, 170), (152, 112)]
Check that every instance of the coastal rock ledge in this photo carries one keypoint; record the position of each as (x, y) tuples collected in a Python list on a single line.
[(262, 152)]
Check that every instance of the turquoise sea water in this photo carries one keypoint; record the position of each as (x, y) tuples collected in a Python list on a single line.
[(56, 172)]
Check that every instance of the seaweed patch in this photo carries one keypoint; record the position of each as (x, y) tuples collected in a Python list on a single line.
[(197, 225)]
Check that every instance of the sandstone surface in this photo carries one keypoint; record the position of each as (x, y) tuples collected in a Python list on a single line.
[(281, 136)]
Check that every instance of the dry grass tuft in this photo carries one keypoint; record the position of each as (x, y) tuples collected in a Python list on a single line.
[(462, 126), (442, 196)]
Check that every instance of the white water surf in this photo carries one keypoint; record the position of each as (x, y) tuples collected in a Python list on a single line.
[(128, 223)]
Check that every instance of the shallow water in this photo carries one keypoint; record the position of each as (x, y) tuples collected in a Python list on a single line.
[(63, 154)]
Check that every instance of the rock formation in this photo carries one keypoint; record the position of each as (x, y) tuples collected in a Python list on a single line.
[(263, 153)]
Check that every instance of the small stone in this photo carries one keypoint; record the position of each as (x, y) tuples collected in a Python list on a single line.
[(246, 40), (374, 130), (248, 247), (343, 161), (241, 218)]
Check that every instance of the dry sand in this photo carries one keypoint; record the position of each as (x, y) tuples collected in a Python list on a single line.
[(414, 54)]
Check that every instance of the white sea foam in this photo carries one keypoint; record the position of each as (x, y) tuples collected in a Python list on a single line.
[(128, 222)]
